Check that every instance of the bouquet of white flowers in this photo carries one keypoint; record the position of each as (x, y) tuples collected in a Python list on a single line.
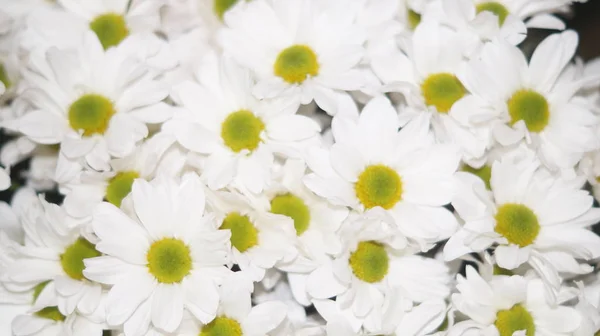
[(297, 168)]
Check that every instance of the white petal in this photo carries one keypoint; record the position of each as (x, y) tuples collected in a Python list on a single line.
[(265, 317), (292, 128), (167, 307)]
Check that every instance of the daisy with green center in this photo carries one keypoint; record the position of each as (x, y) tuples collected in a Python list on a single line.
[(95, 103), (403, 173), (169, 257), (530, 216), (374, 264), (236, 315), (259, 239), (426, 75), (235, 134), (535, 102), (504, 305), (310, 55)]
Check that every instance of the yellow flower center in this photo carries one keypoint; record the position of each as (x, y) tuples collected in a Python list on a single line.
[(91, 113), (484, 173), (169, 260), (4, 77), (50, 313), (222, 326), (293, 207), (222, 6), (514, 319), (120, 186), (378, 185), (414, 19), (294, 64), (442, 90), (370, 262), (110, 28), (243, 233), (531, 107), (494, 7), (72, 259), (502, 271), (241, 130), (517, 223)]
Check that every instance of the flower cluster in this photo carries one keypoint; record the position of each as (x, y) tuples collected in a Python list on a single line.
[(297, 168)]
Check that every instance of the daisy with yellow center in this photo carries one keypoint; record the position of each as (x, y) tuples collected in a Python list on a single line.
[(372, 166), (166, 249), (237, 134), (371, 267), (528, 214), (296, 57), (259, 239), (427, 76), (508, 304)]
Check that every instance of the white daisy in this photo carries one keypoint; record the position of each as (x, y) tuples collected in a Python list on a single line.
[(532, 216), (94, 103), (531, 101), (588, 306), (236, 133), (160, 260), (426, 75), (259, 239), (310, 54), (236, 316), (505, 305), (372, 165), (374, 263)]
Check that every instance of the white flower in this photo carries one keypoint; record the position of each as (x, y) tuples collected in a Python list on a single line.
[(505, 305), (94, 103), (531, 101), (236, 133), (375, 262), (161, 260), (532, 215), (372, 165), (310, 54), (259, 239), (427, 77)]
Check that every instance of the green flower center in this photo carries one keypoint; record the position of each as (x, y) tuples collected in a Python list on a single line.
[(293, 207), (294, 64), (514, 319), (222, 326), (37, 290), (73, 257), (531, 107), (241, 130), (502, 271), (222, 6), (442, 90), (378, 185), (484, 173), (4, 76), (370, 262), (243, 233), (494, 7), (120, 186), (110, 28), (51, 313), (91, 113), (414, 19), (517, 223), (169, 260)]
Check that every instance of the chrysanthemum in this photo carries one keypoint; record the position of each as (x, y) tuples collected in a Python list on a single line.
[(530, 101), (373, 165), (94, 103), (508, 304), (161, 260), (259, 239), (310, 54), (532, 216), (235, 133), (426, 75), (374, 263)]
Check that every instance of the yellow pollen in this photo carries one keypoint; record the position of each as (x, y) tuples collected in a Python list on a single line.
[(531, 107), (169, 260), (370, 261), (484, 173), (241, 130), (243, 233), (496, 8), (442, 90), (293, 207), (514, 319), (74, 255), (110, 28), (517, 223), (296, 63), (378, 185), (120, 186), (222, 326), (91, 113), (222, 6)]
